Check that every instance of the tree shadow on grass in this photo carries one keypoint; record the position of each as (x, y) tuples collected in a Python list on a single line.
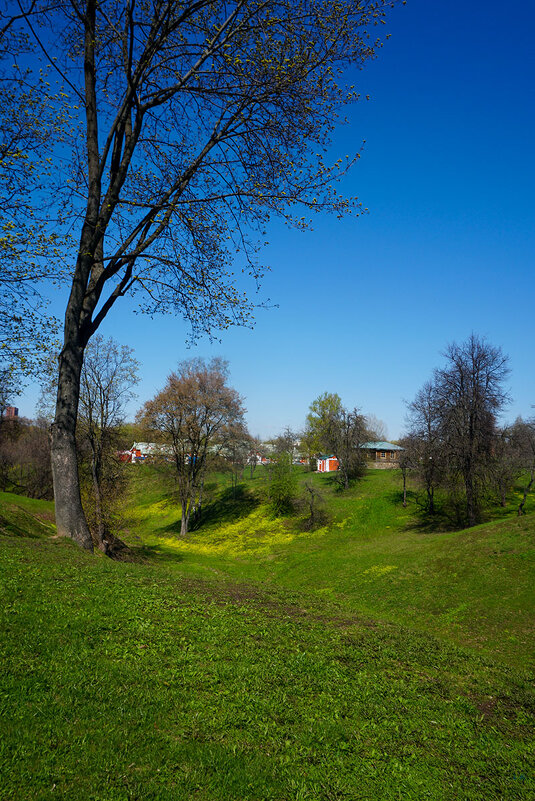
[(155, 553), (441, 521), (233, 504)]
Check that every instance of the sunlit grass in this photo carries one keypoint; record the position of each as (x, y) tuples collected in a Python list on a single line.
[(255, 661)]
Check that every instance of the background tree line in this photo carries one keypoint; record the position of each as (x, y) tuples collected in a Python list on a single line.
[(461, 457)]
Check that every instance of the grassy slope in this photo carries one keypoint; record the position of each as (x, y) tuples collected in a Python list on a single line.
[(25, 517), (254, 662), (472, 587)]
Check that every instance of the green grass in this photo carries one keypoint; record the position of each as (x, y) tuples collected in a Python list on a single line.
[(254, 661), (473, 587), (25, 517), (130, 681)]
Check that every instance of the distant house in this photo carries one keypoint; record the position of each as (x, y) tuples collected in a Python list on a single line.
[(258, 457), (382, 454), (327, 464), (141, 450)]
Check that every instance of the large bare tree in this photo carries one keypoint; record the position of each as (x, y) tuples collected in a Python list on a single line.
[(454, 422), (198, 121)]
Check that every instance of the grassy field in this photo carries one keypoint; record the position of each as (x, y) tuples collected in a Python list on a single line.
[(370, 659)]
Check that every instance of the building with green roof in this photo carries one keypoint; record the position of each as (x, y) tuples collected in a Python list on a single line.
[(382, 454)]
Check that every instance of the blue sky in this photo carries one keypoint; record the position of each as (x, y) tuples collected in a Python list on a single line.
[(366, 305)]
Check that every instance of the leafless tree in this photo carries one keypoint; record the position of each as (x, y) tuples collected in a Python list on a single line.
[(523, 440), (286, 442), (236, 449), (25, 459), (192, 414), (506, 460), (468, 393), (109, 376), (423, 446), (256, 451), (377, 430), (315, 504)]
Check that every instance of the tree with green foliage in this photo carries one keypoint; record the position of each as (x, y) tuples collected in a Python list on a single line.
[(333, 429), (32, 119), (283, 483), (199, 121), (324, 408)]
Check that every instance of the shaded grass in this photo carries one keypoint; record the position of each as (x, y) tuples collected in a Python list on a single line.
[(25, 517), (232, 504)]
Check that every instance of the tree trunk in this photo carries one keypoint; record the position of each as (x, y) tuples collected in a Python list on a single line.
[(184, 521), (430, 499), (70, 518), (471, 501), (100, 531), (404, 489), (199, 505), (526, 491)]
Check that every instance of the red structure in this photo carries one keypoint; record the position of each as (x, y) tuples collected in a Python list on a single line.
[(11, 412), (327, 464)]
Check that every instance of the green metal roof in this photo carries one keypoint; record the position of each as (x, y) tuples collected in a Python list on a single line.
[(381, 446)]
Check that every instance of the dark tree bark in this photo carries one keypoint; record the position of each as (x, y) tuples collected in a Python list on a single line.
[(70, 518), (526, 493)]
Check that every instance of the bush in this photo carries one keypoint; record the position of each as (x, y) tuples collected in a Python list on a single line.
[(283, 485)]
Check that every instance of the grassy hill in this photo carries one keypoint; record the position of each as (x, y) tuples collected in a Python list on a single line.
[(369, 659), (472, 587)]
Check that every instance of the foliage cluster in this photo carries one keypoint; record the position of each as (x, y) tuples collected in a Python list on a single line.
[(197, 416)]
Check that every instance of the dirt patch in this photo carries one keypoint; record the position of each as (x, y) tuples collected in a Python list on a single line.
[(486, 708), (249, 595)]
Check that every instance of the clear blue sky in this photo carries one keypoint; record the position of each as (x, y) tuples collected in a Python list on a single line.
[(366, 305)]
